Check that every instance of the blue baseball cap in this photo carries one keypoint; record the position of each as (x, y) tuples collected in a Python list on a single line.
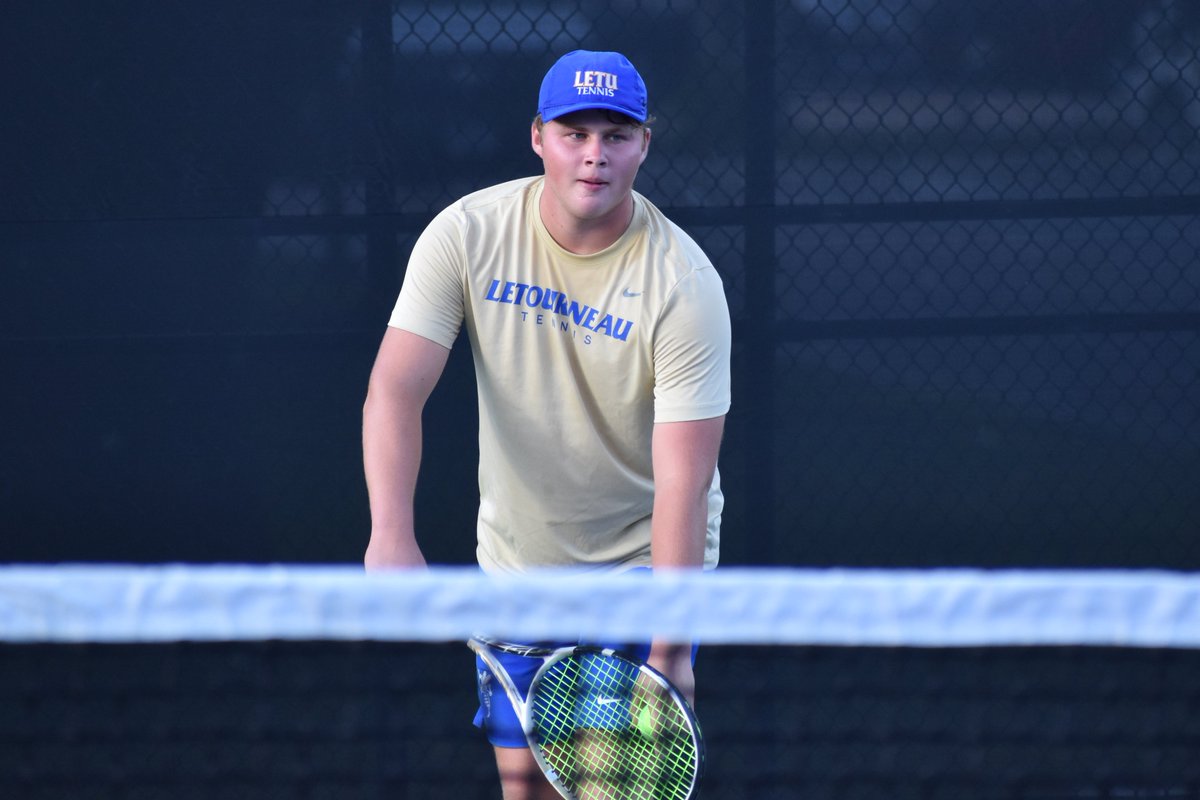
[(591, 79)]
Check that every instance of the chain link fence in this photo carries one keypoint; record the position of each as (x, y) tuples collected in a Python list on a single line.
[(960, 242)]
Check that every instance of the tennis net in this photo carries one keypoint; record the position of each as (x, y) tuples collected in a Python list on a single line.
[(324, 682)]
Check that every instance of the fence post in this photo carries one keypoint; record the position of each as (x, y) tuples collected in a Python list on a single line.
[(380, 188), (757, 368)]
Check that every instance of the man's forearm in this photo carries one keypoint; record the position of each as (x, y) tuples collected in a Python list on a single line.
[(679, 527), (391, 459)]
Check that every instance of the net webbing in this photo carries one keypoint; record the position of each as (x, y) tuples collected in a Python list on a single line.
[(173, 682)]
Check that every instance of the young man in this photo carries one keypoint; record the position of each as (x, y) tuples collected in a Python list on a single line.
[(601, 339)]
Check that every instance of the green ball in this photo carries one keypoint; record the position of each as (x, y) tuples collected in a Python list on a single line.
[(644, 720)]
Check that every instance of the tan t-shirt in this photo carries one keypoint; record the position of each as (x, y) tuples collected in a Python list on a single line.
[(576, 357)]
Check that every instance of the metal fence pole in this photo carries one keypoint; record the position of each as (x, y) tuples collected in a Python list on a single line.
[(379, 73), (757, 356)]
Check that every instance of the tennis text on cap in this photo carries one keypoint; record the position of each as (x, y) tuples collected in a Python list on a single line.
[(595, 82)]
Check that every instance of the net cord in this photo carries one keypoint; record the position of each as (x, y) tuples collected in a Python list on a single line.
[(833, 607)]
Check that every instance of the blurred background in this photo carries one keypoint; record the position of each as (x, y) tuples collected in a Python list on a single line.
[(959, 239)]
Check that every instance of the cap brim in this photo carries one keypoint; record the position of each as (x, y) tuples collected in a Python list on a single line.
[(559, 111)]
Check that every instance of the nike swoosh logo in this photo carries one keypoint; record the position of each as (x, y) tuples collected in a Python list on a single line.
[(628, 293), (604, 701)]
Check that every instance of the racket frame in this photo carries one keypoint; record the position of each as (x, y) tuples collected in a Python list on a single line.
[(486, 648)]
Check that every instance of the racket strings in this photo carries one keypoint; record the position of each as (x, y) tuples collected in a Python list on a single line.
[(610, 731)]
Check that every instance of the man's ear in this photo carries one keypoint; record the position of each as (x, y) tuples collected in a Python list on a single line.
[(645, 145), (535, 138)]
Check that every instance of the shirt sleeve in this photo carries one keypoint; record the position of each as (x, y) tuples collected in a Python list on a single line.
[(691, 351), (431, 302)]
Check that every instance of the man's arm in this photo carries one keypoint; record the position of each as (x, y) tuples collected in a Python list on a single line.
[(685, 460), (406, 370)]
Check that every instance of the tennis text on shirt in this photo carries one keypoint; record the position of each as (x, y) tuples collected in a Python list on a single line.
[(563, 309)]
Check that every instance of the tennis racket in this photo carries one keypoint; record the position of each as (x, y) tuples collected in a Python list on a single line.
[(603, 726)]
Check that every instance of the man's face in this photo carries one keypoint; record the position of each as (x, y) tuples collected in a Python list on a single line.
[(590, 164)]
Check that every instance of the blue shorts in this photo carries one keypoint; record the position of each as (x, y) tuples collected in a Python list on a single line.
[(496, 715)]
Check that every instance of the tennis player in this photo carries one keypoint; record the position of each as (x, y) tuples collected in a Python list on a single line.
[(601, 341)]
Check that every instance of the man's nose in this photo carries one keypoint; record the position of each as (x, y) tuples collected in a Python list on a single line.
[(595, 154)]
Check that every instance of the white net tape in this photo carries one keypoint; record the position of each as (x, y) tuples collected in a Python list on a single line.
[(920, 608)]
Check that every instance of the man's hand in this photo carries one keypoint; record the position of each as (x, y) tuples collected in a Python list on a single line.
[(675, 662), (390, 551)]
